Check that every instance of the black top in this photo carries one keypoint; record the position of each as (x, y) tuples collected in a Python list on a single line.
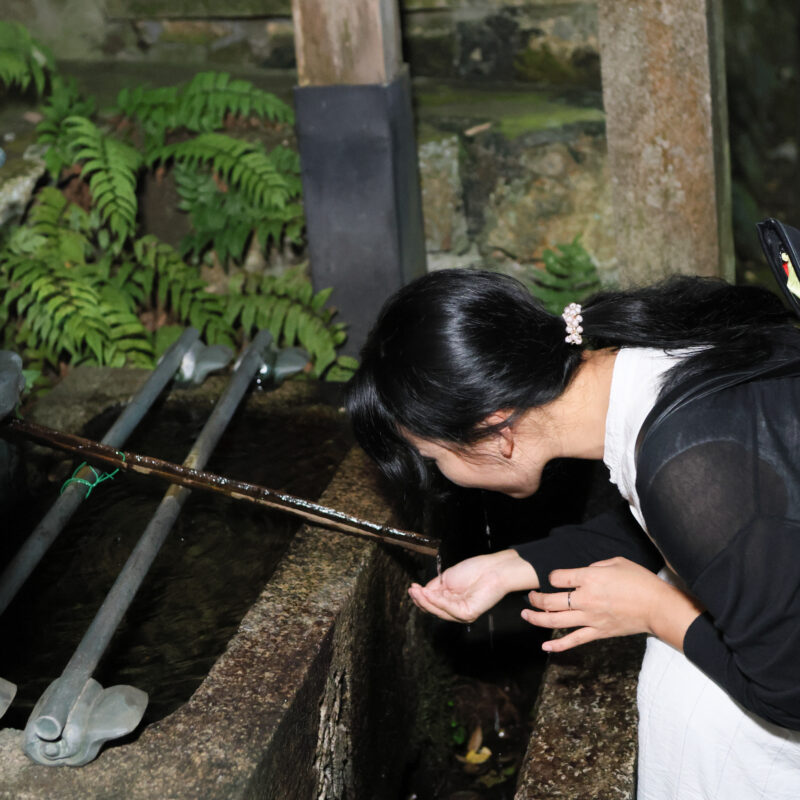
[(719, 486)]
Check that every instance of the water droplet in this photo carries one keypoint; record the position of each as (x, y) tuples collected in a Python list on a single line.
[(486, 522)]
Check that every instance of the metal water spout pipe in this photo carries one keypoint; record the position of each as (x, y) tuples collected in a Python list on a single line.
[(18, 570), (46, 532), (75, 715)]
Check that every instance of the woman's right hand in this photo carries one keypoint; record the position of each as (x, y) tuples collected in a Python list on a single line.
[(464, 591)]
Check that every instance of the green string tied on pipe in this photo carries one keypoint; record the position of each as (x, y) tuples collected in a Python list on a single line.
[(99, 476)]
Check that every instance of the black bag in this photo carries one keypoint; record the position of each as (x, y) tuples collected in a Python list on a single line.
[(781, 246)]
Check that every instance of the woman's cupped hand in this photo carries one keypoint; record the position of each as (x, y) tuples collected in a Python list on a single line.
[(466, 590), (615, 597)]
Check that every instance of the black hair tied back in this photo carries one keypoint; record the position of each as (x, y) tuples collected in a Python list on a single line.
[(454, 346)]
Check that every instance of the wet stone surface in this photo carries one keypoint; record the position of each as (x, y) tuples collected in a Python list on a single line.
[(584, 743)]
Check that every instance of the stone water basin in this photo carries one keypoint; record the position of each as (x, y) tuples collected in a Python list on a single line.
[(308, 697), (316, 692)]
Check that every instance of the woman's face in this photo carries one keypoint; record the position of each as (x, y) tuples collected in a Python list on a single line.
[(493, 463)]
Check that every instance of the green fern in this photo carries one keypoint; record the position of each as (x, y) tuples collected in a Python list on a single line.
[(61, 305), (23, 60), (222, 221), (211, 96), (288, 307), (68, 300), (200, 106), (62, 316), (172, 285), (225, 221), (111, 167), (261, 177), (75, 286), (58, 230), (569, 275), (65, 101), (263, 189)]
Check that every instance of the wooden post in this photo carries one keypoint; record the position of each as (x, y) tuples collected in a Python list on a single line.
[(346, 41), (355, 132), (662, 65)]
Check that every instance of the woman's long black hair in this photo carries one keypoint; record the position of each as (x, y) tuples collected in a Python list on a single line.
[(457, 345)]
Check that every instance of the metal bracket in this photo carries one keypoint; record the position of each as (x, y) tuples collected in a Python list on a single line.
[(8, 691), (12, 382), (200, 360), (97, 715)]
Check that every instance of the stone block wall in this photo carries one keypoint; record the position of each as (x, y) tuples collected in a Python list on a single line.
[(492, 199), (498, 182), (495, 40), (504, 174)]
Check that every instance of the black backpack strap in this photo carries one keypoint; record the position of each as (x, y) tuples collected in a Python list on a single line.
[(703, 385), (781, 246)]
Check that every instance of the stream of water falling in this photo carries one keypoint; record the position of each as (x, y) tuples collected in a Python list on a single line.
[(488, 528)]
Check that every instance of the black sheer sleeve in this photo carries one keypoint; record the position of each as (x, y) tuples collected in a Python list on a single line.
[(609, 535), (719, 511)]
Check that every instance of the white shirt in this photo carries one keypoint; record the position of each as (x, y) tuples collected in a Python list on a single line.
[(635, 384), (695, 742)]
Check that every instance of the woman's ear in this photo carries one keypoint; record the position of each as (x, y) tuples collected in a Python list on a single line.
[(505, 434)]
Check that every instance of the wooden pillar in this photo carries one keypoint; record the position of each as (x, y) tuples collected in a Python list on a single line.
[(662, 65), (358, 154), (346, 41)]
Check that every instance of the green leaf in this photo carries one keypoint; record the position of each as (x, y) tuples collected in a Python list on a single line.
[(248, 315), (165, 337), (290, 324), (276, 319), (321, 298), (348, 362)]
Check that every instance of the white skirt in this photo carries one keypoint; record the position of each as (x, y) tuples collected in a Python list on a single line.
[(696, 743)]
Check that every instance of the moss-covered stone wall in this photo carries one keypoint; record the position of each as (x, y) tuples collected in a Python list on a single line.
[(478, 186), (521, 40)]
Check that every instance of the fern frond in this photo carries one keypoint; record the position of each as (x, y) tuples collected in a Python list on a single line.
[(569, 274), (242, 165), (199, 106), (60, 312), (111, 167), (210, 96), (177, 286), (65, 100), (156, 110), (288, 307), (58, 230), (14, 70), (23, 59), (226, 221)]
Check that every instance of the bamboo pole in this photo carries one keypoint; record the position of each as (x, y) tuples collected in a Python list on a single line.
[(207, 481)]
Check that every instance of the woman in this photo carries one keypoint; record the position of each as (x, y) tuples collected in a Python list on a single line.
[(466, 373)]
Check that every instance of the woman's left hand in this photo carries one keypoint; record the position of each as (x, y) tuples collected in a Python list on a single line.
[(609, 598)]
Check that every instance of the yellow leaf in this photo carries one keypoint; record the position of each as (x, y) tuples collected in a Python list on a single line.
[(475, 740), (477, 757)]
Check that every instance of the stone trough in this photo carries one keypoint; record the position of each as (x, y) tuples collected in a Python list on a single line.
[(308, 698), (316, 694)]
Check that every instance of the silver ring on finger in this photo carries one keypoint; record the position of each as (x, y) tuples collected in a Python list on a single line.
[(569, 600)]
